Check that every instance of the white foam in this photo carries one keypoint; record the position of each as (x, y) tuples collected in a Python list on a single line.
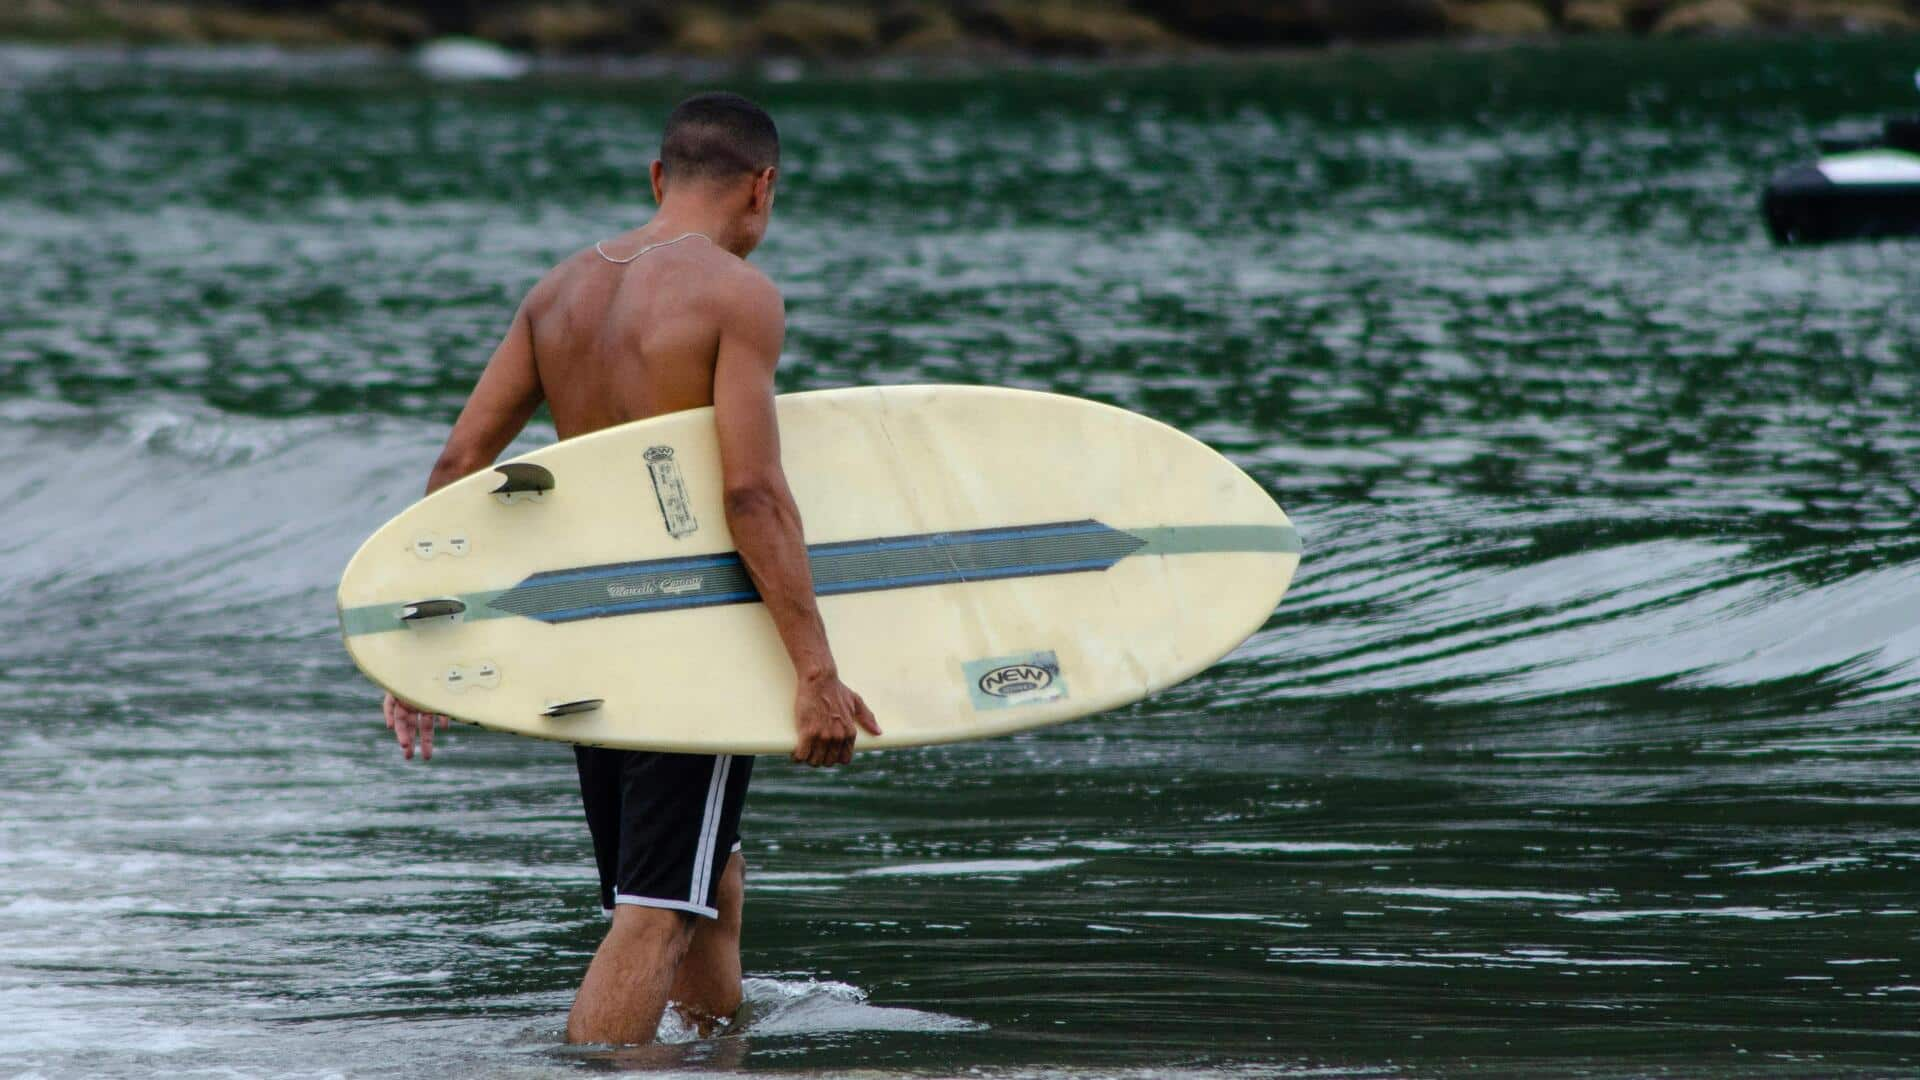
[(42, 1018), (763, 876), (1362, 961), (469, 59), (1756, 914), (1222, 916), (1803, 867), (1439, 893), (1292, 847), (975, 866), (810, 1007)]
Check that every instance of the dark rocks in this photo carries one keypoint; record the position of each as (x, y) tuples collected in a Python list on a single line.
[(806, 28), (577, 26), (1386, 20), (920, 28), (1064, 28), (1244, 23), (1856, 18), (1594, 17), (1702, 17), (1499, 18), (851, 29), (368, 20)]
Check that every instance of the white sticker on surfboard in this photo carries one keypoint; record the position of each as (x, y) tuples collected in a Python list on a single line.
[(672, 494), (1000, 682)]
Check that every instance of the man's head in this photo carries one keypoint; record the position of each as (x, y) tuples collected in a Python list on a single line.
[(724, 147)]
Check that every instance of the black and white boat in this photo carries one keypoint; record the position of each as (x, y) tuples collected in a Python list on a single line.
[(1859, 189)]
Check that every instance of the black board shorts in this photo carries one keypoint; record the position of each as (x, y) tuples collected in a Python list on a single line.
[(662, 824)]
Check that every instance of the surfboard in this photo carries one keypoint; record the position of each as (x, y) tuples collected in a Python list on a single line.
[(987, 560)]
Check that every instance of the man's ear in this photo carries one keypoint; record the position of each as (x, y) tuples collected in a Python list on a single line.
[(763, 187), (658, 172)]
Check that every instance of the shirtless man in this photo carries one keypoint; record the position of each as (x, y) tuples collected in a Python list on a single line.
[(666, 317)]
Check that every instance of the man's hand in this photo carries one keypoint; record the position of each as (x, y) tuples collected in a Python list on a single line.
[(826, 713), (409, 725)]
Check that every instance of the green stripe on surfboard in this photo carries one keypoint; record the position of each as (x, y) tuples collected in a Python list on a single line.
[(377, 618), (1201, 539), (1157, 540)]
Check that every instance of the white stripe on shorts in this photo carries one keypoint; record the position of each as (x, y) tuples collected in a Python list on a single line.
[(709, 831), (670, 905)]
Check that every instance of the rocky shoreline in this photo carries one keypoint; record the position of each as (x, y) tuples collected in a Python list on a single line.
[(853, 29)]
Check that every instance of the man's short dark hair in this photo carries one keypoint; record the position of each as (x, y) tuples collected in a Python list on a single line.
[(718, 136)]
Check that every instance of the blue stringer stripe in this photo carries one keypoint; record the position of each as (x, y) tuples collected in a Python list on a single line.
[(897, 562)]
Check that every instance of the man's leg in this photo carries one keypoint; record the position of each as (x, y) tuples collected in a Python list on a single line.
[(626, 988), (707, 987)]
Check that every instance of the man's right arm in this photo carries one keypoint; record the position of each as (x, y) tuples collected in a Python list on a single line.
[(765, 523)]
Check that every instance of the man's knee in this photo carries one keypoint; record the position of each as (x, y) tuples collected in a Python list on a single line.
[(654, 929)]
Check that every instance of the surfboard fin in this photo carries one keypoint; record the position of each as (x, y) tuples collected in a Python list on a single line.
[(522, 476), (423, 610), (569, 708)]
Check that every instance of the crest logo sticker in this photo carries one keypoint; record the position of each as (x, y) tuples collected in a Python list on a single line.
[(670, 491), (999, 682)]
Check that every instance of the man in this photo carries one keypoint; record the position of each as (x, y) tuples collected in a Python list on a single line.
[(666, 317)]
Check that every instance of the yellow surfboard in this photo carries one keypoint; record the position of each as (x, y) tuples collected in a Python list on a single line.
[(987, 560)]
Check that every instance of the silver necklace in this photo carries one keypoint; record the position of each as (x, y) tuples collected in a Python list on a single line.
[(602, 252)]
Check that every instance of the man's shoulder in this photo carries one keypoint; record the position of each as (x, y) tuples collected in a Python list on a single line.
[(555, 283), (743, 289), (752, 282)]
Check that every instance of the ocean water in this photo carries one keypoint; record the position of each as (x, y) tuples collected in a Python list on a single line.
[(1585, 743)]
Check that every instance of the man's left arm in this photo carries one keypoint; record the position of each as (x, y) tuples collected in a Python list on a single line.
[(499, 407)]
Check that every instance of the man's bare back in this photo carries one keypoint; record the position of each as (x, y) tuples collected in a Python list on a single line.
[(619, 341)]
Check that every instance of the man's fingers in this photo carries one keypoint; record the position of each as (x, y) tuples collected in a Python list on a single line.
[(411, 726), (839, 749), (864, 716), (827, 736)]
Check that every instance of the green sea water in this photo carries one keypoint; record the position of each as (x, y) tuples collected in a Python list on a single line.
[(1585, 744)]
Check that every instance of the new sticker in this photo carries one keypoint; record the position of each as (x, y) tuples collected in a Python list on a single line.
[(1000, 682)]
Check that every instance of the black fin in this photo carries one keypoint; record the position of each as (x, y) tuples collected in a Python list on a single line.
[(430, 609), (521, 476)]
